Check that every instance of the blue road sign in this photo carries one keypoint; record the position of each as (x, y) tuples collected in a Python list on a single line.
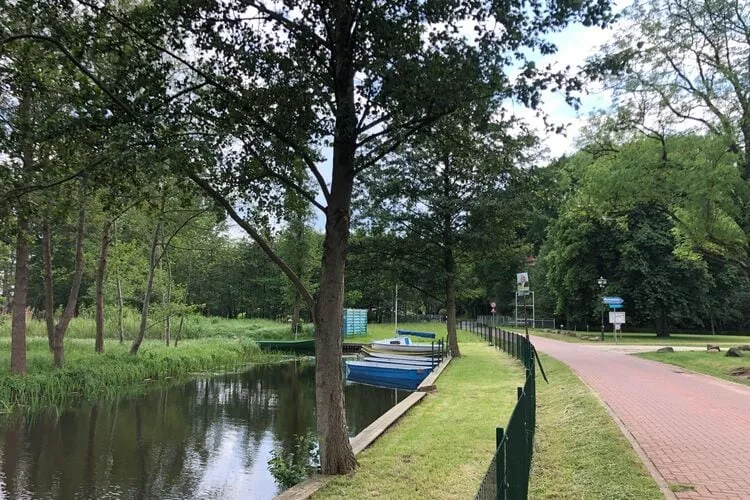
[(612, 300)]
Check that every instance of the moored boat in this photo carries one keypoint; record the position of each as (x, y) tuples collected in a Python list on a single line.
[(296, 346), (424, 335), (429, 363), (403, 345), (395, 376), (376, 353)]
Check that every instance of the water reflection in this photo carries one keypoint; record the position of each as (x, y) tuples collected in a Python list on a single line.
[(208, 438)]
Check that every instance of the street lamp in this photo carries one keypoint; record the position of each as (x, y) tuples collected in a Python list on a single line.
[(602, 282)]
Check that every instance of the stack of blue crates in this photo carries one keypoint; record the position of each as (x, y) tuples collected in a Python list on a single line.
[(354, 322)]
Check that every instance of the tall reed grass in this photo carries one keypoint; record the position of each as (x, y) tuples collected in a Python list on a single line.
[(88, 375), (193, 327)]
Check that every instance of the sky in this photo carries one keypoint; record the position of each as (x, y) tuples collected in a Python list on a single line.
[(575, 44)]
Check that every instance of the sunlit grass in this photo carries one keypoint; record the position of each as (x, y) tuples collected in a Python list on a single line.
[(379, 331), (193, 327), (580, 452), (442, 447), (710, 363)]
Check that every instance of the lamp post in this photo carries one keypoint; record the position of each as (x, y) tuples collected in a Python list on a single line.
[(602, 282)]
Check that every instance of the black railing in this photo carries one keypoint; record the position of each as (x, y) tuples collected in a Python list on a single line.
[(507, 477)]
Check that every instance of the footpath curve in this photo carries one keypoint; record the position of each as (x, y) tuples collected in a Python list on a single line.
[(692, 428)]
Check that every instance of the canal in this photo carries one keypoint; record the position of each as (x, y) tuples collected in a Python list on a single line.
[(206, 438)]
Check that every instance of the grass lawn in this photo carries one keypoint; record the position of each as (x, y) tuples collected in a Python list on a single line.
[(580, 452), (89, 375), (378, 331), (442, 447), (194, 326), (646, 338), (710, 363)]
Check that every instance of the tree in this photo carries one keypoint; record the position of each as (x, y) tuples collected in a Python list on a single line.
[(431, 187), (689, 59), (358, 77), (653, 215)]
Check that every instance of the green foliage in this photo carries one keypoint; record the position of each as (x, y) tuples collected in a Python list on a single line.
[(658, 218), (194, 326), (290, 468), (92, 376)]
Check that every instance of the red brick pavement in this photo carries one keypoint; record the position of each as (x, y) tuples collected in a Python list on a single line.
[(695, 429)]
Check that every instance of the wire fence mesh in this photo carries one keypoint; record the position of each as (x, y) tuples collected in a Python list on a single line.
[(507, 477)]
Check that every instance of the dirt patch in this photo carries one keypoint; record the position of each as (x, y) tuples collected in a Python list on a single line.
[(743, 372)]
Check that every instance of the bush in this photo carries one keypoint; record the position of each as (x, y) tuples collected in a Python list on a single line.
[(294, 467)]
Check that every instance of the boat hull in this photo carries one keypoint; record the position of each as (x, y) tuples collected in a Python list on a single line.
[(417, 349), (293, 346), (390, 375)]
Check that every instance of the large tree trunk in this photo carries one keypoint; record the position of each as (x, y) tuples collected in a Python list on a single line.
[(101, 272), (149, 290), (662, 324), (295, 313), (49, 289), (336, 455), (449, 262), (70, 306), (20, 292), (450, 303), (335, 451)]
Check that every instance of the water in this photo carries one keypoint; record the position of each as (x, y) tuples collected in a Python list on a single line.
[(207, 438)]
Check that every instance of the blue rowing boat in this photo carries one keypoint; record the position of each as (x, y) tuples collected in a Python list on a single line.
[(392, 375), (424, 335), (412, 362)]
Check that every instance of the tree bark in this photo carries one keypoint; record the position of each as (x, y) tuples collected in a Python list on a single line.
[(179, 330), (149, 289), (120, 305), (20, 293), (49, 289), (168, 301), (101, 271), (7, 279), (662, 326), (70, 306), (450, 300), (336, 455)]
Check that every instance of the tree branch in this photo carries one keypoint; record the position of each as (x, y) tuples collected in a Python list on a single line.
[(76, 62), (255, 235)]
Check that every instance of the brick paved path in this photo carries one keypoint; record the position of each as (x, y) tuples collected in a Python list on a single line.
[(695, 429)]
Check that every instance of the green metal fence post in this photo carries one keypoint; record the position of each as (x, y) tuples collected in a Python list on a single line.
[(499, 464)]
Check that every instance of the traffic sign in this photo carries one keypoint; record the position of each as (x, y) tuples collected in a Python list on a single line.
[(612, 300), (616, 317)]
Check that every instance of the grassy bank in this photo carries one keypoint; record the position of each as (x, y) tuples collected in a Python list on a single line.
[(89, 375), (643, 338), (580, 452), (377, 331), (193, 327), (442, 447), (710, 363)]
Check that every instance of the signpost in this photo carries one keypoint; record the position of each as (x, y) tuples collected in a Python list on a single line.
[(522, 282), (616, 318)]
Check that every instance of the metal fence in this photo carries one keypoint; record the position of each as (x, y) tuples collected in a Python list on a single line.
[(507, 477), (497, 320)]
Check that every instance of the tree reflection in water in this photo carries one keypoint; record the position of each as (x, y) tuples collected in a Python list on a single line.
[(207, 438)]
